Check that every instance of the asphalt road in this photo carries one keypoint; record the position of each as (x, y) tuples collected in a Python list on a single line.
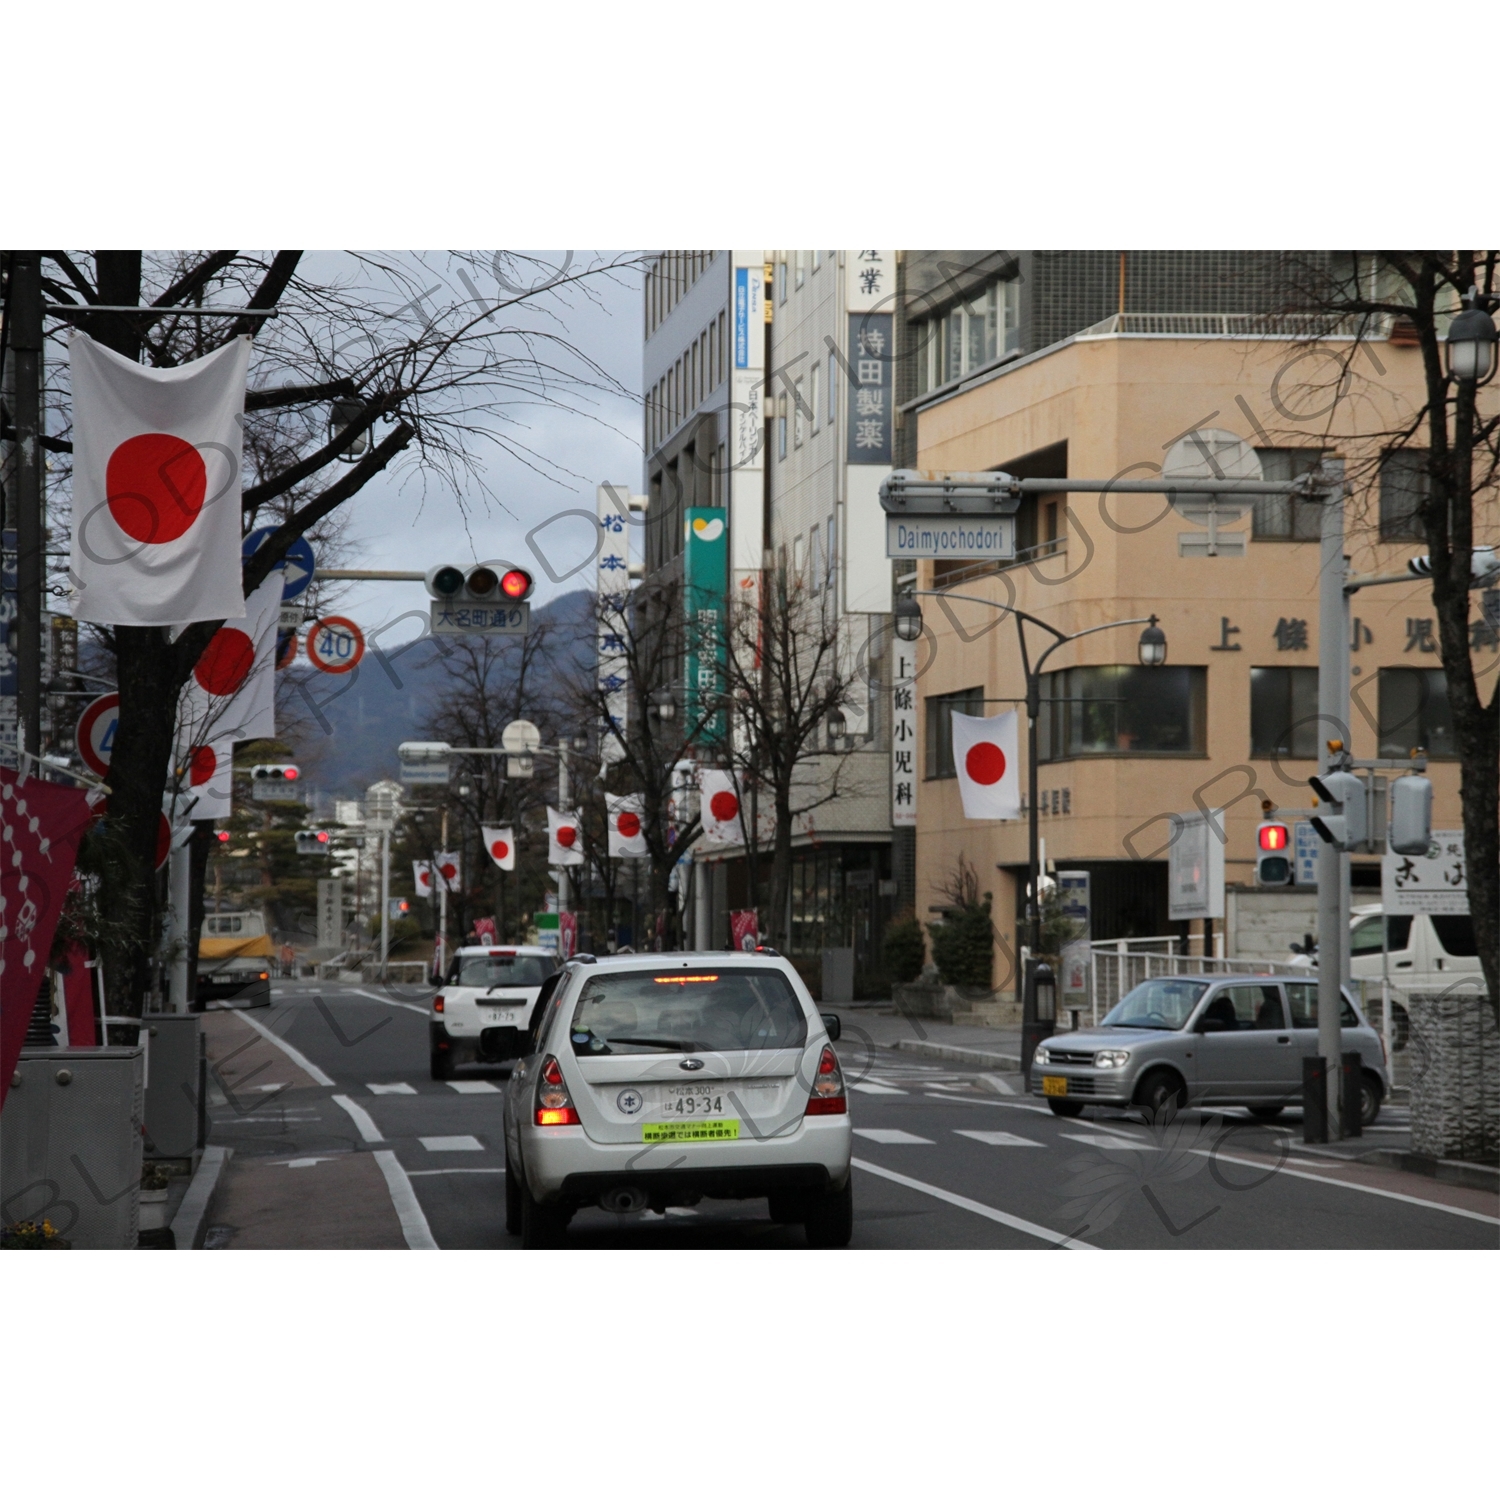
[(346, 1142)]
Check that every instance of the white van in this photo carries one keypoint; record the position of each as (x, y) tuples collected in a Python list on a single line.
[(483, 1011), (1428, 955)]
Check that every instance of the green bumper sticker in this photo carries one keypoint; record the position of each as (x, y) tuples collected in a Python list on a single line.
[(692, 1130)]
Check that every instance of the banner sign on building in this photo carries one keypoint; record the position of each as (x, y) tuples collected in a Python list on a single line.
[(9, 685), (1305, 842), (705, 574), (613, 588), (1435, 882), (872, 389), (904, 734)]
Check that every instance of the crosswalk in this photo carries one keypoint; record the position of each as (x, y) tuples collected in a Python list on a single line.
[(891, 1137)]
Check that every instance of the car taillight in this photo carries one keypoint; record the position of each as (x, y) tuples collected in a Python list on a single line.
[(437, 1004), (827, 1096), (553, 1106)]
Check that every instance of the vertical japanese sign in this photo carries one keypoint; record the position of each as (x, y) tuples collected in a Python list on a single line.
[(904, 735), (614, 591), (705, 561), (8, 676), (871, 389)]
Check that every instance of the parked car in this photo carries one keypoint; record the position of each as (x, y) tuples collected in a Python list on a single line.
[(1200, 1040), (234, 960), (485, 1006), (654, 1080), (1428, 954)]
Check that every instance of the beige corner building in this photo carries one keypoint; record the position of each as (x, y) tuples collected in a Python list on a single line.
[(1229, 721)]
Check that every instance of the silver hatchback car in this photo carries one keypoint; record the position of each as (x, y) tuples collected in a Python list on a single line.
[(1200, 1040)]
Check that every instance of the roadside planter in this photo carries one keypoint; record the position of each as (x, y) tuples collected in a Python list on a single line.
[(1455, 1077)]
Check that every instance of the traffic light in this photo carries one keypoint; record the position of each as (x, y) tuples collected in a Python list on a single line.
[(1273, 857), (313, 841), (1410, 827), (222, 835), (499, 583), (1345, 824), (274, 773)]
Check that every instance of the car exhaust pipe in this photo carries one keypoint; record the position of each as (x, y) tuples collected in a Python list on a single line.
[(623, 1200)]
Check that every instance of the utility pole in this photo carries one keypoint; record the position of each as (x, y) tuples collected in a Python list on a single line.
[(442, 881), (24, 335), (564, 792)]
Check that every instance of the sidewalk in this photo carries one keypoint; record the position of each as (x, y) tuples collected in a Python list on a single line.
[(980, 1046)]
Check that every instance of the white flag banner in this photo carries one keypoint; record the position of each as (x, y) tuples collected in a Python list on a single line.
[(501, 843), (564, 844), (627, 836), (232, 692), (156, 486), (986, 754), (207, 772), (719, 807), (421, 874), (447, 871)]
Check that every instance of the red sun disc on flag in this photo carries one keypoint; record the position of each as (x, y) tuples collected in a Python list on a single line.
[(155, 484), (629, 825), (448, 871), (500, 849), (724, 806), (202, 766), (567, 837), (985, 763), (226, 662), (424, 879)]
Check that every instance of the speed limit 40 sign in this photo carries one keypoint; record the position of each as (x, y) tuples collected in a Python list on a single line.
[(335, 644)]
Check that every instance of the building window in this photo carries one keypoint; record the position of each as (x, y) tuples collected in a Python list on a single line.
[(781, 426), (940, 710), (832, 549), (815, 561), (1414, 711), (1284, 712), (833, 387), (800, 406), (781, 278), (812, 395), (1122, 711), (1287, 518), (817, 256), (799, 559), (723, 356), (1403, 487), (968, 336), (801, 267)]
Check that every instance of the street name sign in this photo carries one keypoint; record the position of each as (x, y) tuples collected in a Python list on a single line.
[(950, 536), (449, 618)]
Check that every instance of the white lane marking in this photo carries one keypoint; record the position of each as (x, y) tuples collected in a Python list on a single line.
[(1109, 1142), (309, 1067), (1025, 1226), (997, 1083), (390, 1088), (680, 1213), (876, 1088), (404, 1200), (421, 1010), (459, 1172), (308, 1161), (451, 1142), (471, 1086), (1032, 1109), (368, 1129), (894, 1138), (1358, 1187), (998, 1138), (267, 1088)]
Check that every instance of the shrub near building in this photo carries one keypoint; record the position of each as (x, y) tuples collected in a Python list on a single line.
[(963, 945)]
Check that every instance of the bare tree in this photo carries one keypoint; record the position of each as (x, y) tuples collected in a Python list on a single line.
[(408, 344), (1419, 290)]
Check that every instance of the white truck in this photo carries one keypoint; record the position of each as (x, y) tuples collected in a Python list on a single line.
[(1428, 955), (234, 959)]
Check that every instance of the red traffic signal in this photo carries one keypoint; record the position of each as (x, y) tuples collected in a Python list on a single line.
[(1272, 836), (223, 835), (1273, 863), (516, 584)]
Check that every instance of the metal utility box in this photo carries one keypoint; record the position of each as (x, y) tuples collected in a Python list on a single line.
[(172, 1084), (838, 976), (70, 1143)]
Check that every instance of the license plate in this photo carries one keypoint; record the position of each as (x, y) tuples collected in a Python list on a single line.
[(1054, 1087), (691, 1130), (694, 1101)]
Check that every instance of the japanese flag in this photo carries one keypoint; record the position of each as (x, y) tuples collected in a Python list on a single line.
[(564, 845), (446, 869), (719, 807), (501, 842), (156, 486), (421, 874), (231, 694), (627, 839), (207, 773), (986, 754)]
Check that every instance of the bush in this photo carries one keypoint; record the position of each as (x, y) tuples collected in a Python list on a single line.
[(905, 948), (963, 944)]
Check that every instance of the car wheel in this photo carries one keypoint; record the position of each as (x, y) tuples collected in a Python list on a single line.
[(830, 1219), (1265, 1111), (542, 1226), (512, 1199), (442, 1065), (1069, 1109), (1160, 1090), (1370, 1094)]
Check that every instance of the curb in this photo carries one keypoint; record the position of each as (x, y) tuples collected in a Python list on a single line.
[(191, 1223), (1460, 1173), (995, 1062)]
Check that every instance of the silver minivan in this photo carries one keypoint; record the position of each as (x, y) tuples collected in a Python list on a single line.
[(1206, 1040)]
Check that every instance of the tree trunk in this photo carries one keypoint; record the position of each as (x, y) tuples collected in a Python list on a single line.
[(781, 871)]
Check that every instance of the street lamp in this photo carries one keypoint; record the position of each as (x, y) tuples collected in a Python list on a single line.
[(836, 724), (908, 618), (1153, 645), (1471, 342), (663, 706)]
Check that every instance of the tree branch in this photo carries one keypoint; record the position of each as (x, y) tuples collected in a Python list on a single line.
[(294, 474), (65, 264), (273, 397), (283, 267), (186, 285)]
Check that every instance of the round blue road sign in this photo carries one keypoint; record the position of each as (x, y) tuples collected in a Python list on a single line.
[(296, 568)]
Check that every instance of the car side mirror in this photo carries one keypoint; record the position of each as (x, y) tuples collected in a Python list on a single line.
[(832, 1025), (1211, 1023)]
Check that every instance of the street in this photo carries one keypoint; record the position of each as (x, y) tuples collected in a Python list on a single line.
[(341, 1140)]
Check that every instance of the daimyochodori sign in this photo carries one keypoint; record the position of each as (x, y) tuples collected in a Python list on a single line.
[(956, 536)]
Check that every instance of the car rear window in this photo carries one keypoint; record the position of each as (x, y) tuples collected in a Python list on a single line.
[(1456, 934), (1303, 1000), (688, 1010), (482, 970)]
